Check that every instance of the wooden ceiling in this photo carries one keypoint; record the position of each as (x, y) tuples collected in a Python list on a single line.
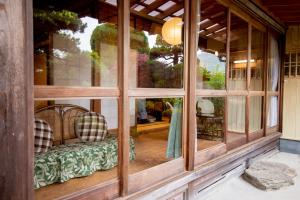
[(288, 11)]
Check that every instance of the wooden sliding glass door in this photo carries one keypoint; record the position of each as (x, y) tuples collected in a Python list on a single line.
[(177, 82)]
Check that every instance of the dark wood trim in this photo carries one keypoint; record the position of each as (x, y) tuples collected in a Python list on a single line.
[(53, 92), (28, 65), (124, 110), (16, 100), (281, 88), (192, 9)]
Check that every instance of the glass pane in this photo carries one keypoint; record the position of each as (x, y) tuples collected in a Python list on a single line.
[(238, 54), (75, 45), (286, 64), (85, 141), (272, 119), (236, 122), (257, 60), (255, 118), (211, 52), (210, 121), (236, 114), (156, 44), (156, 127), (274, 63)]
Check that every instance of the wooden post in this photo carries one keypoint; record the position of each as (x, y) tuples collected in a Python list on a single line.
[(227, 73), (191, 12), (281, 80), (266, 68), (124, 116), (16, 100), (247, 110)]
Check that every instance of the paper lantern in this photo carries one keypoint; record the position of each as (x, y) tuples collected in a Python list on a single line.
[(172, 30)]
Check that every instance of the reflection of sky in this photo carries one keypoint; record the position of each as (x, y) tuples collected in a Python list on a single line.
[(151, 39), (86, 35), (210, 61), (92, 23), (84, 38)]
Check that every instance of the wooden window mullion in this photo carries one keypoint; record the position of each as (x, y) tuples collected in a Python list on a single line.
[(227, 74), (190, 65), (124, 114), (247, 109)]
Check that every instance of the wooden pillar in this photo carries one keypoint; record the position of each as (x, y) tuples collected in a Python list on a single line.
[(248, 82), (281, 79), (227, 75), (124, 112), (16, 100), (190, 64)]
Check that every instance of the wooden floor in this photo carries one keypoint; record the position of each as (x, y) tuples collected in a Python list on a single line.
[(150, 148)]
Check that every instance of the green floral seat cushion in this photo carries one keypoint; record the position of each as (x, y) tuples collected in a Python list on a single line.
[(61, 163)]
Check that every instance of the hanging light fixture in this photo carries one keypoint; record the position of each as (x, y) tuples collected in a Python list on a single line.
[(172, 30)]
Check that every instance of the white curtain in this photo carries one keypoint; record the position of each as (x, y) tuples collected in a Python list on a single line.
[(274, 65), (236, 114), (273, 82), (273, 111)]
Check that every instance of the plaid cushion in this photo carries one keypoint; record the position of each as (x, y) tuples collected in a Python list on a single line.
[(91, 127), (43, 136)]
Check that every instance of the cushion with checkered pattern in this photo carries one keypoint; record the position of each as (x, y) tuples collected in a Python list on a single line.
[(43, 136), (91, 127)]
